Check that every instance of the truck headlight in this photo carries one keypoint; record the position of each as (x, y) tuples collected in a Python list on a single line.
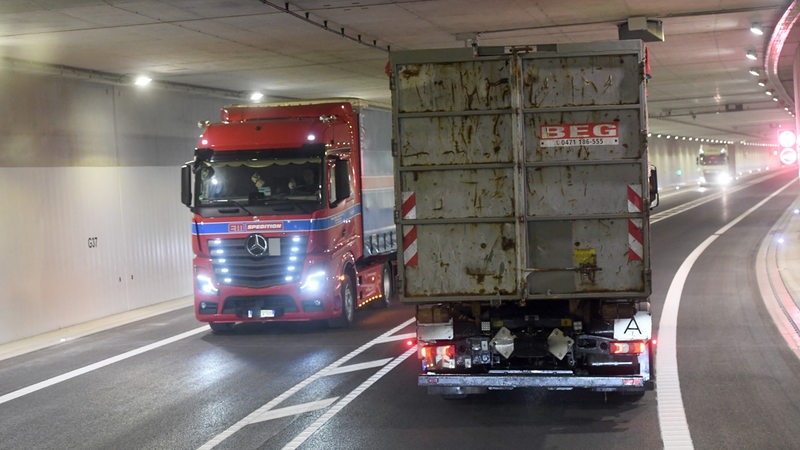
[(313, 281), (206, 284)]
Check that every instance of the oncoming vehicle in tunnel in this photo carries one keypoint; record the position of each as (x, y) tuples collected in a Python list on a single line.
[(715, 165), (292, 213)]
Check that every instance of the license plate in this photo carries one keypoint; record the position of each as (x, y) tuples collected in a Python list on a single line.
[(264, 313)]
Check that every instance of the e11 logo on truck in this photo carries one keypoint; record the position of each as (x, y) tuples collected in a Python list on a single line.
[(523, 201), (292, 213)]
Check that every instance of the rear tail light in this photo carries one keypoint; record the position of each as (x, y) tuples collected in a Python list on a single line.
[(438, 357), (628, 348)]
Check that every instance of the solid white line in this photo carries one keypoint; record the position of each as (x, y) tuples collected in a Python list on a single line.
[(328, 415), (213, 442), (294, 410), (671, 414), (91, 367)]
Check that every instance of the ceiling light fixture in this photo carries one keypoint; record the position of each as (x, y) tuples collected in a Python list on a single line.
[(756, 29), (142, 80), (256, 96), (751, 55), (754, 71)]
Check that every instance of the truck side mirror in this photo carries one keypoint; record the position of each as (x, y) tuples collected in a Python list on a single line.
[(186, 184), (652, 182)]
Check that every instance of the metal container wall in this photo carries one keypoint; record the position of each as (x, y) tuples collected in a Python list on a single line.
[(520, 173), (377, 193)]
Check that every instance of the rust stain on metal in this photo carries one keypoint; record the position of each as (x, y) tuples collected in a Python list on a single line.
[(410, 71), (506, 243)]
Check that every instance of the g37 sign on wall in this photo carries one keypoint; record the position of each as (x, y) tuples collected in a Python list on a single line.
[(578, 134)]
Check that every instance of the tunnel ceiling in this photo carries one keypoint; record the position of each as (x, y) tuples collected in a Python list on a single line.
[(700, 85)]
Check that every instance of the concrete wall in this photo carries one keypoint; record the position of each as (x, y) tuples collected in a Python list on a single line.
[(92, 223)]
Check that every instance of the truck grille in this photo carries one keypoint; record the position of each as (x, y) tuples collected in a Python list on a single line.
[(240, 305), (235, 266)]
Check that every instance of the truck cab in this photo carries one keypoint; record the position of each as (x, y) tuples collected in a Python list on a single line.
[(714, 164)]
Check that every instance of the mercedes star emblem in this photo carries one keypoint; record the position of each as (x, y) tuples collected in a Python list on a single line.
[(256, 245)]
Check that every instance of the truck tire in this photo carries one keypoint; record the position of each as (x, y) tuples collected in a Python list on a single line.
[(348, 296), (221, 327), (387, 285)]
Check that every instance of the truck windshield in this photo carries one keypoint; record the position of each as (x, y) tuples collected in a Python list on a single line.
[(250, 180), (713, 160)]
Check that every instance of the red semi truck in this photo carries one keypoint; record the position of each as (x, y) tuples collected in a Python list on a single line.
[(292, 213)]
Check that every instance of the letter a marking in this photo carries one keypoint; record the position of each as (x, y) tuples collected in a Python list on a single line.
[(633, 326)]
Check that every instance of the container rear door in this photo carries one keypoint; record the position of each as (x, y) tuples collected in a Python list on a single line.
[(520, 174), (586, 169)]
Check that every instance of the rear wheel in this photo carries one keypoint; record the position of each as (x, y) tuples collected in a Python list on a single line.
[(348, 296), (387, 285)]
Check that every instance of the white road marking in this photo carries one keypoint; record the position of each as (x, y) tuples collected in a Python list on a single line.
[(671, 414), (397, 337), (659, 216), (98, 365), (322, 420), (293, 390), (294, 410), (360, 366)]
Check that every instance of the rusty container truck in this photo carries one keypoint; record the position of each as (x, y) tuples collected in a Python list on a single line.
[(522, 192)]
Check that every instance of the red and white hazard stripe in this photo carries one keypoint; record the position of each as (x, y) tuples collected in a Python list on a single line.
[(635, 235), (409, 211), (634, 198)]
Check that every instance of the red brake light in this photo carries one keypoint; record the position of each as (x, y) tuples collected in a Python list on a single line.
[(628, 348), (438, 356)]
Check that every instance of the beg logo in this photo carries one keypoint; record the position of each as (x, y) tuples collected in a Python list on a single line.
[(579, 131), (579, 134)]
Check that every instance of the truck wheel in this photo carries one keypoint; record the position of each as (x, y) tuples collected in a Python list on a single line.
[(387, 286), (221, 327), (348, 295)]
